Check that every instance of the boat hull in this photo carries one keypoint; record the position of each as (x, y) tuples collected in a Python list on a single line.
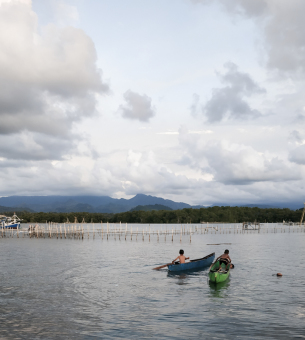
[(216, 276), (193, 264), (11, 226)]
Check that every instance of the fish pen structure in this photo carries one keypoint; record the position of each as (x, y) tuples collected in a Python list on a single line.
[(106, 231), (251, 226)]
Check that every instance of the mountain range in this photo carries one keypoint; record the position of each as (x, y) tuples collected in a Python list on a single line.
[(106, 204), (98, 204)]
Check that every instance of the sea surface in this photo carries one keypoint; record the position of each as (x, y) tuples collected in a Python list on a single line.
[(99, 289)]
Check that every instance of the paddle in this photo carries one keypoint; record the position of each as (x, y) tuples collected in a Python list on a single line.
[(165, 265)]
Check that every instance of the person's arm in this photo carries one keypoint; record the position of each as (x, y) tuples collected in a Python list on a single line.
[(229, 259), (187, 258), (175, 259)]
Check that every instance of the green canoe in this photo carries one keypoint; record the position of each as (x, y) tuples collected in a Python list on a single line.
[(217, 274)]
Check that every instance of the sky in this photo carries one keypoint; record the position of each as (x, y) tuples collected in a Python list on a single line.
[(198, 101)]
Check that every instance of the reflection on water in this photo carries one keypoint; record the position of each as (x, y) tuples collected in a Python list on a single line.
[(219, 290), (179, 279)]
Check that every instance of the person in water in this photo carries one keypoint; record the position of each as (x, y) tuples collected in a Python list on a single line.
[(181, 257), (224, 259)]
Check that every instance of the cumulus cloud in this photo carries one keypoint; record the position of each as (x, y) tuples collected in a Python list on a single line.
[(229, 102), (62, 178), (49, 80), (235, 164), (239, 164), (137, 107)]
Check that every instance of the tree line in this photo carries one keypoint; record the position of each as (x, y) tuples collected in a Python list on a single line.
[(224, 214)]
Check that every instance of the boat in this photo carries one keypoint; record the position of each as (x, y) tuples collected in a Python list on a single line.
[(251, 226), (219, 273), (10, 222), (193, 264)]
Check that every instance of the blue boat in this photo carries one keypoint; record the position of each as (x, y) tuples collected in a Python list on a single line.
[(193, 264), (10, 222)]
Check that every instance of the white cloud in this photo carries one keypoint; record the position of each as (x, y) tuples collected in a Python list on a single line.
[(228, 102), (137, 107), (235, 164), (49, 80)]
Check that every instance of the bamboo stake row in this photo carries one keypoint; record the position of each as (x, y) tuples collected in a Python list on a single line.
[(82, 231)]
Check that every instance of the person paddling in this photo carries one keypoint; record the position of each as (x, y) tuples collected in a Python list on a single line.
[(181, 257)]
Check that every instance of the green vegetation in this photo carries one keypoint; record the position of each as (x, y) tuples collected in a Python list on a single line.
[(150, 207), (211, 214)]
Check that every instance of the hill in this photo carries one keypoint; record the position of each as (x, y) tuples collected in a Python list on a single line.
[(109, 205), (150, 207), (92, 204)]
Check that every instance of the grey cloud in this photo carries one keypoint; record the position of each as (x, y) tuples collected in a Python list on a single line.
[(253, 8), (228, 102), (36, 146), (283, 27), (298, 155), (285, 36), (295, 137), (137, 107), (48, 80)]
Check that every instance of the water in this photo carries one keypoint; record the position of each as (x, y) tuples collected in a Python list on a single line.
[(91, 289)]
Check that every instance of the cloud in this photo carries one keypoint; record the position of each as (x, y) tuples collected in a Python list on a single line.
[(235, 164), (297, 155), (195, 105), (283, 27), (252, 8), (296, 137), (197, 132), (239, 165), (49, 80), (228, 102), (137, 107), (65, 13)]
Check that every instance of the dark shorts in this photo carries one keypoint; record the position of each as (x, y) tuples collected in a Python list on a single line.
[(223, 261)]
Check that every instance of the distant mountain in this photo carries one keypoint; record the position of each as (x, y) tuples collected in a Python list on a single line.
[(150, 207), (6, 209), (141, 199), (106, 204), (100, 204)]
